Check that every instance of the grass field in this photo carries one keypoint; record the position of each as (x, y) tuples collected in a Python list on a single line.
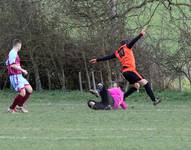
[(62, 121)]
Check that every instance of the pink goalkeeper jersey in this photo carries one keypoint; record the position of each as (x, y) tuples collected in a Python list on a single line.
[(117, 95), (13, 58)]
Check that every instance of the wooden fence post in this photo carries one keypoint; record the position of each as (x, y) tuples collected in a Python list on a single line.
[(93, 80), (80, 82)]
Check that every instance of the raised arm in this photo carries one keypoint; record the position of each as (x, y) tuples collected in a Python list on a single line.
[(108, 57), (132, 43)]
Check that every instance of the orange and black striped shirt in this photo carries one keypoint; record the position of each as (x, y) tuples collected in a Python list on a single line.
[(125, 55)]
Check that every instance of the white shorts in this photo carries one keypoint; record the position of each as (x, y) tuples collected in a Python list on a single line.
[(18, 82)]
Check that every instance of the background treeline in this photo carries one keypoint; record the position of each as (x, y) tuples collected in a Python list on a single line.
[(60, 36)]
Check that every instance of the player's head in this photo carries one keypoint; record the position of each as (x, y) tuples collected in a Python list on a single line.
[(100, 87), (17, 44), (123, 42)]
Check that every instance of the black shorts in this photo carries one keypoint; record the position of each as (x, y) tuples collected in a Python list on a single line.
[(132, 76), (100, 105)]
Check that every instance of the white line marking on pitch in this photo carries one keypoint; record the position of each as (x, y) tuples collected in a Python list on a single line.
[(82, 137), (98, 129)]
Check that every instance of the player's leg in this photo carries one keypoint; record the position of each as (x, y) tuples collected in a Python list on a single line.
[(97, 105), (29, 91), (133, 79), (124, 105), (18, 99), (19, 87), (93, 104), (149, 91), (133, 88)]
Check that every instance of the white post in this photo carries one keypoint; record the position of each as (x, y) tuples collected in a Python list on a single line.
[(93, 80), (80, 81)]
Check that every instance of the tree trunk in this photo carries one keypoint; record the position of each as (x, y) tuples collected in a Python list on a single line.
[(62, 77), (49, 79), (63, 80), (36, 72), (114, 20), (180, 83), (116, 34)]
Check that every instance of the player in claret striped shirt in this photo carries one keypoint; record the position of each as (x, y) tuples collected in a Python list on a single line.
[(18, 82)]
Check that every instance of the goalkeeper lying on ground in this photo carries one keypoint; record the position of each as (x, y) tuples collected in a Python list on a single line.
[(111, 98)]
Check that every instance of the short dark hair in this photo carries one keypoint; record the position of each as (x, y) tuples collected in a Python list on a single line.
[(123, 42), (16, 41)]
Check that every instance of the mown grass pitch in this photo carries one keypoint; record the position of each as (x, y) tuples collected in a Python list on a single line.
[(62, 121)]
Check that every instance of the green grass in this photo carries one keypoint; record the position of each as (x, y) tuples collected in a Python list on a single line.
[(62, 121)]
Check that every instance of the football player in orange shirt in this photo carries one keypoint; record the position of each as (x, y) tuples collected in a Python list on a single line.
[(126, 57)]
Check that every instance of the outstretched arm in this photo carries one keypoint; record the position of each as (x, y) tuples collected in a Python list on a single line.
[(109, 57), (106, 57), (132, 43)]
